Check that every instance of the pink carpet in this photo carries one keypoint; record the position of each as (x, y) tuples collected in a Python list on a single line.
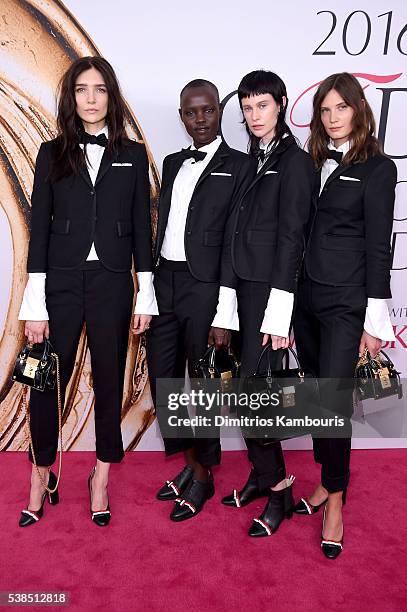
[(143, 561)]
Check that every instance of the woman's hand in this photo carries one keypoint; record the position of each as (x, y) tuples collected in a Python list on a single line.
[(141, 323), (277, 342), (372, 344), (36, 331), (219, 337)]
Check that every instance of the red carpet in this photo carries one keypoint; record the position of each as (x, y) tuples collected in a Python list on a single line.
[(142, 561)]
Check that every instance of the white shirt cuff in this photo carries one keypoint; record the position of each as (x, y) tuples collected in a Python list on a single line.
[(226, 315), (146, 302), (277, 316), (377, 320), (33, 306)]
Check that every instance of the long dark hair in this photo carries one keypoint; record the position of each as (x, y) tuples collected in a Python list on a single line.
[(68, 157), (264, 82), (364, 143)]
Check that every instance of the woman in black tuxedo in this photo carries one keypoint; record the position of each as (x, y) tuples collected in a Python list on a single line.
[(90, 217), (267, 241), (341, 308)]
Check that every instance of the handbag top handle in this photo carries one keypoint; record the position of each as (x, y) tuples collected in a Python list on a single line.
[(266, 351)]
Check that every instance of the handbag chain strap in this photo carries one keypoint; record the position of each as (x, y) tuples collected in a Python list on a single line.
[(28, 428)]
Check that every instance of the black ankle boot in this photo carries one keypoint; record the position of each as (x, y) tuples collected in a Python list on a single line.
[(279, 506), (249, 493)]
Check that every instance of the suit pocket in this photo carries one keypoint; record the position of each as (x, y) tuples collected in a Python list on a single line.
[(338, 242), (261, 237), (347, 184), (213, 238), (60, 226), (124, 228)]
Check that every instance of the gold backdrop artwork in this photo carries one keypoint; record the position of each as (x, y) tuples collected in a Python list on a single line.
[(38, 41)]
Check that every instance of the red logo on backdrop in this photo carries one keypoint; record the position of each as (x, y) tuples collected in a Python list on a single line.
[(373, 78)]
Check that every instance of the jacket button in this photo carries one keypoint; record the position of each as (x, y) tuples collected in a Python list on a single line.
[(189, 233), (242, 208), (191, 207), (92, 193), (236, 233)]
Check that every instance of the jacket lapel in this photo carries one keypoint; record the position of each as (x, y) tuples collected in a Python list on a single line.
[(272, 161), (165, 196), (105, 164), (216, 161)]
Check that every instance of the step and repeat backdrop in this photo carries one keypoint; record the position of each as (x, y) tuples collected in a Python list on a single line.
[(156, 48)]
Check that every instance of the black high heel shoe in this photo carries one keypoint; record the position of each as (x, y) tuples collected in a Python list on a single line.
[(100, 517), (279, 506), (249, 493), (29, 517), (305, 507), (331, 548)]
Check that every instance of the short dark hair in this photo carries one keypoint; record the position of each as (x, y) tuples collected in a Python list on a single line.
[(200, 83), (265, 82)]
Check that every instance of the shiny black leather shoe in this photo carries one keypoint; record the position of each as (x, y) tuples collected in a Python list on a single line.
[(193, 499), (29, 517), (249, 493), (330, 548), (175, 487), (100, 517), (279, 506), (305, 507)]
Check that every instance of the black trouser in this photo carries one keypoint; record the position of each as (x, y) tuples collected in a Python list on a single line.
[(103, 300), (328, 325), (179, 334), (252, 297)]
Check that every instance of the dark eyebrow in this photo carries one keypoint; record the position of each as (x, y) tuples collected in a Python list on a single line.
[(86, 84)]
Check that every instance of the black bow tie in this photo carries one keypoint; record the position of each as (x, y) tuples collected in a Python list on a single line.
[(192, 153), (336, 155), (86, 138)]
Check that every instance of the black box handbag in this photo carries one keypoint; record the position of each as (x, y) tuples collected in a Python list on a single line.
[(37, 366), (296, 391), (217, 363), (377, 377)]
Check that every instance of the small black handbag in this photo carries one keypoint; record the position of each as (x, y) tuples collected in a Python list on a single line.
[(376, 377), (217, 363), (295, 389), (37, 366)]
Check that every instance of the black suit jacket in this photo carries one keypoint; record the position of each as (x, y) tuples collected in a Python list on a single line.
[(218, 189), (349, 237), (69, 214), (267, 238)]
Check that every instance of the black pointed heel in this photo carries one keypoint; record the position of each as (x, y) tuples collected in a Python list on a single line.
[(99, 517), (331, 548), (250, 492), (279, 506), (305, 507), (29, 517)]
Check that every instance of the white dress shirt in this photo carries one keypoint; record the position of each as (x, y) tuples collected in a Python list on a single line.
[(184, 184), (33, 307)]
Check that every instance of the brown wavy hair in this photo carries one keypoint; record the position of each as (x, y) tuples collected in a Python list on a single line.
[(68, 157), (364, 142)]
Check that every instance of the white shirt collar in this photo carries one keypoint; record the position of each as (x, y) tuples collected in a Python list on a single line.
[(212, 147), (343, 148)]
